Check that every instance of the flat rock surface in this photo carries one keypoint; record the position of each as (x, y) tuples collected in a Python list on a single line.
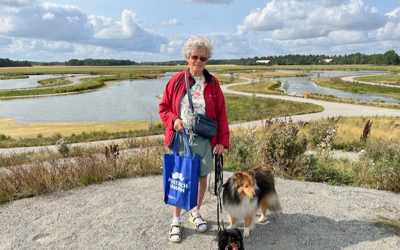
[(131, 214)]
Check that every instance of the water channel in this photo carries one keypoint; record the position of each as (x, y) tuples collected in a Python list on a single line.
[(133, 100)]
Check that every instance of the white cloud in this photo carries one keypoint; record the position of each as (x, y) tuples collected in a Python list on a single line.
[(391, 31), (172, 22), (46, 21), (394, 15), (295, 19), (173, 47), (6, 25), (50, 22), (48, 16), (226, 45)]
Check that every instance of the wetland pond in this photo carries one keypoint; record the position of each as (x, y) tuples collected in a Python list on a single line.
[(135, 100)]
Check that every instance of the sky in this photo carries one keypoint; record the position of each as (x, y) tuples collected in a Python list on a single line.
[(156, 30)]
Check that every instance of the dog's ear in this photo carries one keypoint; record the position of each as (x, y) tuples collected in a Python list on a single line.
[(251, 173), (238, 175), (237, 231), (221, 240)]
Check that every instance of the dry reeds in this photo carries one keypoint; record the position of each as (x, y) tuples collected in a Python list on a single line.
[(40, 176)]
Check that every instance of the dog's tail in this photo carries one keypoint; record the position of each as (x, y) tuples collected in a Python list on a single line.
[(273, 203)]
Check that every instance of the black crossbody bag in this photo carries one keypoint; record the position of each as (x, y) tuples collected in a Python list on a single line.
[(201, 124)]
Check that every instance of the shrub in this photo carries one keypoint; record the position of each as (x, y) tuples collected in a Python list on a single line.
[(242, 151), (282, 148), (328, 170), (4, 137), (380, 165), (323, 133), (63, 147)]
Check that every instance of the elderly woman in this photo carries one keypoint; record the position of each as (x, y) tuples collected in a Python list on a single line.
[(176, 113)]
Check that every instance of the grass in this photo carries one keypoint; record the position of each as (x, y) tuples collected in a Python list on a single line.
[(59, 86), (138, 69), (33, 130), (32, 174), (392, 224), (382, 79), (261, 87), (279, 147), (8, 77), (350, 130), (244, 109), (50, 172), (87, 84), (54, 82), (337, 83)]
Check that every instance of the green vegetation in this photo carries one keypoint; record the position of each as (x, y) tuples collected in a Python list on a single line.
[(58, 86), (87, 84), (244, 109), (391, 224), (53, 171), (7, 141), (54, 82), (279, 145), (382, 79), (8, 77), (260, 87), (337, 83)]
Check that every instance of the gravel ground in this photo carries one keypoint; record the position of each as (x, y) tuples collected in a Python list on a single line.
[(130, 214)]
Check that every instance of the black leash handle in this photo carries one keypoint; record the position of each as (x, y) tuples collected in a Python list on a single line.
[(219, 174), (219, 181)]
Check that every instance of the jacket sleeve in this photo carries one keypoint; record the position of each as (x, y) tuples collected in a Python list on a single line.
[(222, 118), (165, 107)]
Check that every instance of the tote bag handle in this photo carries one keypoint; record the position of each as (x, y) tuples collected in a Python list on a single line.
[(185, 142)]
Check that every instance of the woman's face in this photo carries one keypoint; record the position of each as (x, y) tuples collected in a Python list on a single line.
[(197, 61)]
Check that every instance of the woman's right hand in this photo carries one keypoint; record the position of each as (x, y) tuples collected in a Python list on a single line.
[(178, 125)]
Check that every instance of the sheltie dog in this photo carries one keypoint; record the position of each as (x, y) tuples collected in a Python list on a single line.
[(246, 192)]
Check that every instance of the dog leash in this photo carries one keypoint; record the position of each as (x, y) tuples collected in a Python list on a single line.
[(219, 179)]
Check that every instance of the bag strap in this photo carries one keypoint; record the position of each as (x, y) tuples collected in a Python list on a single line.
[(185, 142), (189, 93)]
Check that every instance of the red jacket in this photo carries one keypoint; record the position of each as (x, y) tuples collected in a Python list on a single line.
[(215, 106)]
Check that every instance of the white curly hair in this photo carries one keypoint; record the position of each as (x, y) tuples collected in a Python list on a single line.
[(196, 43)]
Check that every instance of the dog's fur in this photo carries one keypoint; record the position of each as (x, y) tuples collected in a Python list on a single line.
[(230, 239), (246, 192)]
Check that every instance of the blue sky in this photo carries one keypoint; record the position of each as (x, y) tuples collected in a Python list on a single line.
[(155, 30)]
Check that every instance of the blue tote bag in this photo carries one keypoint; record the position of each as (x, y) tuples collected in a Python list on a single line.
[(181, 176)]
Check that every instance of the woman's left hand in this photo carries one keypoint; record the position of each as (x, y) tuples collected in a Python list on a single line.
[(219, 149)]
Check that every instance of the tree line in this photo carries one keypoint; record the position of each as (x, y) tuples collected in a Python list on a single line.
[(99, 62), (388, 58), (5, 62)]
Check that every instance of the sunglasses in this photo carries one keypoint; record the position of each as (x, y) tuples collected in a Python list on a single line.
[(195, 58)]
